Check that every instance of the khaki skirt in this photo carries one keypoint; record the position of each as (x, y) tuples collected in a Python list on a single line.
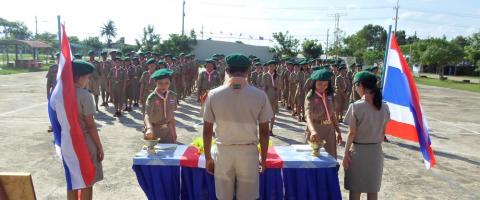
[(366, 170)]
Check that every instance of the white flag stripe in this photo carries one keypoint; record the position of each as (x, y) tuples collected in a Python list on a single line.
[(401, 114)]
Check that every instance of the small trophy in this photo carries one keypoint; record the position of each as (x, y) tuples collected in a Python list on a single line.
[(150, 146), (316, 146)]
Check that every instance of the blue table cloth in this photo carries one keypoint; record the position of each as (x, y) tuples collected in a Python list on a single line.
[(302, 177)]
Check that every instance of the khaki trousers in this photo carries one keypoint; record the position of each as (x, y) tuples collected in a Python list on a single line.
[(236, 172)]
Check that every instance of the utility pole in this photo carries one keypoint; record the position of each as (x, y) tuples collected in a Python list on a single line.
[(183, 18), (36, 27), (336, 33), (396, 17), (202, 32), (326, 50)]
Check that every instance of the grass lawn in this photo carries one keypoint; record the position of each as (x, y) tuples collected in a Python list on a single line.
[(472, 87), (7, 70)]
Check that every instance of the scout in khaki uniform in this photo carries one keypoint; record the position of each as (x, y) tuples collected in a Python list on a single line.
[(270, 82), (147, 84), (171, 65), (319, 112), (342, 94), (52, 76), (238, 110), (104, 68), (160, 107), (293, 82), (117, 78), (220, 66), (86, 109), (367, 119), (207, 80), (300, 93), (133, 83), (135, 76), (286, 84), (256, 76), (354, 95), (94, 83)]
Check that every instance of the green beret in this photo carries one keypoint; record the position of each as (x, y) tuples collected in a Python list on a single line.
[(359, 65), (150, 61), (57, 54), (321, 75), (118, 53), (77, 56), (181, 54), (104, 53), (81, 68), (161, 62), (211, 61), (258, 64), (161, 74), (141, 54), (271, 62), (364, 75), (216, 55), (167, 55), (303, 62), (374, 68), (290, 63), (237, 60), (126, 58), (256, 60), (342, 67), (117, 59), (214, 58), (91, 52)]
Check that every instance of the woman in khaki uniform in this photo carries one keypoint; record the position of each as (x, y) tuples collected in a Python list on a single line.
[(160, 107), (342, 92), (367, 119), (319, 112), (147, 84), (86, 109), (270, 82)]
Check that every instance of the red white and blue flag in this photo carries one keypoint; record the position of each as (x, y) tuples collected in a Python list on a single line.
[(63, 112), (408, 121)]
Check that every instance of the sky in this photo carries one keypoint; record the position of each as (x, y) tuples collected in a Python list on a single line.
[(247, 20)]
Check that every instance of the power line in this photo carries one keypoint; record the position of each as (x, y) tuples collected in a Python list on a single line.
[(298, 19), (466, 15), (292, 7)]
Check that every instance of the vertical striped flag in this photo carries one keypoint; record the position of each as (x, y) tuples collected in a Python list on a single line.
[(63, 113), (408, 121)]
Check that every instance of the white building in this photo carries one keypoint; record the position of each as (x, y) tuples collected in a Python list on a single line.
[(206, 48)]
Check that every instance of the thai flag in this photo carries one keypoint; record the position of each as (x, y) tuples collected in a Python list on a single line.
[(63, 112), (400, 92)]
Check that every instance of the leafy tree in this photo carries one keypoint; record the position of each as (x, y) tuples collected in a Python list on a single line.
[(374, 35), (149, 39), (401, 37), (93, 43), (109, 31), (473, 49), (440, 53), (285, 44), (177, 44), (460, 41), (311, 48), (15, 30)]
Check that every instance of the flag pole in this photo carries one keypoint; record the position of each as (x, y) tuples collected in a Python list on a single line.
[(59, 34), (386, 55)]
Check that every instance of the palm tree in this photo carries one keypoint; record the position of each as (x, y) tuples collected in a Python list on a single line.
[(109, 31)]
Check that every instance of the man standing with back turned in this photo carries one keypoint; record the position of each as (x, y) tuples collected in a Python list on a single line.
[(237, 108)]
